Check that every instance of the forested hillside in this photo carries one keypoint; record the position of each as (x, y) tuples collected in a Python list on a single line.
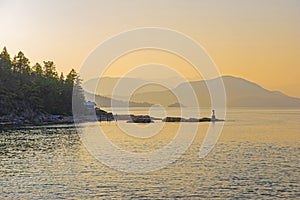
[(29, 90)]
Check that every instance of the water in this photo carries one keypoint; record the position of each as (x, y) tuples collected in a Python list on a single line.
[(257, 156)]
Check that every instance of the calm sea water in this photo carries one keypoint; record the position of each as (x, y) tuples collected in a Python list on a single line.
[(257, 156)]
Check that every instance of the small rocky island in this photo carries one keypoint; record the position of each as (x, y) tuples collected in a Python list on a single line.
[(140, 119), (180, 119), (204, 119), (176, 105), (148, 119)]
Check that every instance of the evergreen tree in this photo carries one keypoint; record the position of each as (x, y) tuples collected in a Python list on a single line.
[(25, 90), (37, 70), (5, 61), (49, 70), (78, 98), (21, 64)]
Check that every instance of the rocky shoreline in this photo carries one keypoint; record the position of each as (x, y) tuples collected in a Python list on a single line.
[(6, 121), (43, 119)]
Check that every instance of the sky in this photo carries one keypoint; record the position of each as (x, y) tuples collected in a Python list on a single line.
[(254, 39)]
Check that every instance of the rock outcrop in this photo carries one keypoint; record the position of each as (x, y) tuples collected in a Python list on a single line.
[(140, 119), (180, 119)]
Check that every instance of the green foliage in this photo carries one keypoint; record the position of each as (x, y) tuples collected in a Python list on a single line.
[(36, 89)]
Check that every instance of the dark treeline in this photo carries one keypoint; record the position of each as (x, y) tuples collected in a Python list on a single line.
[(38, 89)]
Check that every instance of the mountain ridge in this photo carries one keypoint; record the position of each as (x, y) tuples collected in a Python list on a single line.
[(239, 91)]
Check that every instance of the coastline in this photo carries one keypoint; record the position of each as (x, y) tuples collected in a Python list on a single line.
[(12, 124), (68, 120)]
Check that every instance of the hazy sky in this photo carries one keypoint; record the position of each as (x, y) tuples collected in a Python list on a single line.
[(254, 39)]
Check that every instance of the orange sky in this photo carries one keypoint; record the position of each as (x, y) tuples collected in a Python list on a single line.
[(254, 39)]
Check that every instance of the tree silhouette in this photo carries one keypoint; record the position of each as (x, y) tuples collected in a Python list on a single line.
[(27, 91)]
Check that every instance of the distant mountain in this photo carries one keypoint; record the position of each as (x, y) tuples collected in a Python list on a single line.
[(105, 86), (239, 92), (102, 101), (243, 93), (176, 105)]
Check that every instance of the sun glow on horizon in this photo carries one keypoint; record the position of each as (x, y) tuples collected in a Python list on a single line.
[(256, 40)]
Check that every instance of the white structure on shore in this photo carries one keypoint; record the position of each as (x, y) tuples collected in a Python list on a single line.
[(90, 105)]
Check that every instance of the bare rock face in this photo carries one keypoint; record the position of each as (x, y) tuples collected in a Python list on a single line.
[(205, 119), (173, 119), (180, 119), (140, 119)]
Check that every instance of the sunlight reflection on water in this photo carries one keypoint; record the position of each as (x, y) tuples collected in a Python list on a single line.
[(257, 156)]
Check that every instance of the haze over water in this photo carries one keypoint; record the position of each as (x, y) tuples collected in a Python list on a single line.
[(223, 54), (257, 156)]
